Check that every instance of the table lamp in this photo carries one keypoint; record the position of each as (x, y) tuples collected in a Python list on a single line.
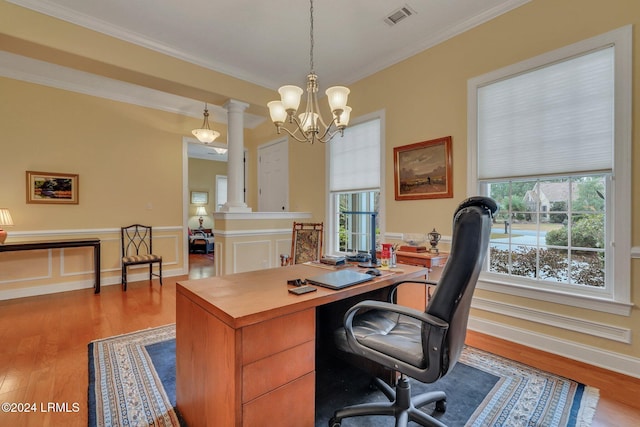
[(200, 210), (5, 219)]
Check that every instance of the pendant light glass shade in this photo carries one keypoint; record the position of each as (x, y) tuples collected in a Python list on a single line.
[(205, 134)]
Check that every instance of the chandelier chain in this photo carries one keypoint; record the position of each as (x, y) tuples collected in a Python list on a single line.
[(311, 38)]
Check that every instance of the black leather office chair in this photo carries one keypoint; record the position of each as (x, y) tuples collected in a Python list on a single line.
[(422, 345)]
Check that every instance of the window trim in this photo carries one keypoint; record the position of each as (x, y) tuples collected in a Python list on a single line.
[(618, 301), (330, 200)]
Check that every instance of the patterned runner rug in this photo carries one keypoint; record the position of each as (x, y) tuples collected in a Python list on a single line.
[(132, 382)]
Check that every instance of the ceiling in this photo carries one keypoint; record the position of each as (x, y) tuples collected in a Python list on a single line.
[(267, 42)]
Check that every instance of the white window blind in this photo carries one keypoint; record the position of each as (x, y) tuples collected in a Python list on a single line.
[(355, 158), (555, 119)]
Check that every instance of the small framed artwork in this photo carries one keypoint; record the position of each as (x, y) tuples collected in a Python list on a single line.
[(423, 170), (199, 198), (52, 188)]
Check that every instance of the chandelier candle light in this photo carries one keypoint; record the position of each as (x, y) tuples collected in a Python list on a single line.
[(309, 126)]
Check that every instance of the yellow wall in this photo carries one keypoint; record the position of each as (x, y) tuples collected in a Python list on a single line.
[(424, 97), (128, 158)]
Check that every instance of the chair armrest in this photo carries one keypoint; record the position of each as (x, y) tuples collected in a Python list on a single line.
[(394, 287), (395, 308)]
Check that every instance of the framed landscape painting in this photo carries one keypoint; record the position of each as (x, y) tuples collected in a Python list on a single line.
[(423, 170), (52, 188)]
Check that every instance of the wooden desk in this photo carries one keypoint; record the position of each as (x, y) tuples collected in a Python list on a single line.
[(245, 346), (61, 244), (424, 259)]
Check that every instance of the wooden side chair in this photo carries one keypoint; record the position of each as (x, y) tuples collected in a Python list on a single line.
[(137, 248), (306, 243)]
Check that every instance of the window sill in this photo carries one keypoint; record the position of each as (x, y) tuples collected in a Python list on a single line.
[(589, 302)]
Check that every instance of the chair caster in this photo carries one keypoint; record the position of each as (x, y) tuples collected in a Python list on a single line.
[(334, 423), (441, 406)]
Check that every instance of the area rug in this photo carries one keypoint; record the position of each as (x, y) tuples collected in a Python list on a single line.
[(132, 379), (132, 382)]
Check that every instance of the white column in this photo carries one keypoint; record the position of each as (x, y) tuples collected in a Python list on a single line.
[(235, 162)]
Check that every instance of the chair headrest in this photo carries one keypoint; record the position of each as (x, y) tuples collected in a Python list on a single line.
[(485, 202)]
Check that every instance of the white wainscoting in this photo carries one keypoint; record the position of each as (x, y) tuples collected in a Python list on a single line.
[(595, 356)]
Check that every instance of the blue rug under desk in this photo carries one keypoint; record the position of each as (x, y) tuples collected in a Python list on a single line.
[(132, 381)]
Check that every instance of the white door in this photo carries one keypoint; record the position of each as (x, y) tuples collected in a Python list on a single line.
[(273, 177)]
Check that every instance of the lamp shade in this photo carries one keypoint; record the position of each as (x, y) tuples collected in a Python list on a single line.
[(308, 121), (290, 96), (337, 96), (205, 135), (277, 112), (5, 217), (200, 210), (344, 117)]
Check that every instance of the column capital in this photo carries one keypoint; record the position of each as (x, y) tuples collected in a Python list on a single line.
[(235, 105)]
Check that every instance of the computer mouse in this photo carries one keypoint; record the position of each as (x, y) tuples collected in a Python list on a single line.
[(373, 272)]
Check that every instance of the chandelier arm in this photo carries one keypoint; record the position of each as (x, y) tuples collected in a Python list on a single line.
[(293, 134), (328, 134), (324, 140), (298, 124)]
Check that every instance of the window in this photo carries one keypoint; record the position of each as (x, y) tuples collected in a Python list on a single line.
[(354, 176), (550, 140), (221, 191)]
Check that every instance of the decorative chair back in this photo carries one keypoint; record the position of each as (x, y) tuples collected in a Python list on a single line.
[(306, 242), (136, 240)]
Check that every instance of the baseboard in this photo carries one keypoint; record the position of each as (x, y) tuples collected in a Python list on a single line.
[(614, 362), (53, 288)]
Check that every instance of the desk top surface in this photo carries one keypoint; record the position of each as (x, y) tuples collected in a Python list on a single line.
[(243, 299)]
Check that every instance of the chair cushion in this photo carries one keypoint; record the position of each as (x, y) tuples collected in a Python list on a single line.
[(390, 333), (139, 259)]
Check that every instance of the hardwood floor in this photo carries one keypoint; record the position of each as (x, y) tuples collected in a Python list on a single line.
[(43, 356)]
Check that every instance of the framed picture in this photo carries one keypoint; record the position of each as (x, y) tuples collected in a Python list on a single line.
[(51, 187), (199, 198), (423, 170)]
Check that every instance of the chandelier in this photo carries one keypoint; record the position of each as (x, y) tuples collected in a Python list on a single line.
[(309, 126), (205, 134)]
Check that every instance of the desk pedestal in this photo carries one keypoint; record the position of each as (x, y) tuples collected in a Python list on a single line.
[(257, 375)]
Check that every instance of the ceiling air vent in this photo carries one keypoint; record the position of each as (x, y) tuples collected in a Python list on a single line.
[(399, 14)]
